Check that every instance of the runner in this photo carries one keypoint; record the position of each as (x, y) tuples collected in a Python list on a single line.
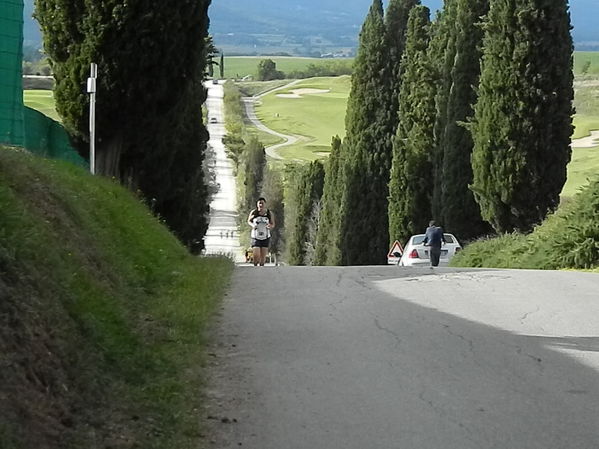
[(262, 221)]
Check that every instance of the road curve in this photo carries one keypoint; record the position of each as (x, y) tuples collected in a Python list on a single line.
[(249, 102), (405, 358)]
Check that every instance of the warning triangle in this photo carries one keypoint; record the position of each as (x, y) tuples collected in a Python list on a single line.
[(395, 248)]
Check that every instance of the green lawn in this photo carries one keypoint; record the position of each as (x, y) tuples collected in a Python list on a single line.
[(315, 117), (586, 104), (581, 58), (42, 101), (583, 166)]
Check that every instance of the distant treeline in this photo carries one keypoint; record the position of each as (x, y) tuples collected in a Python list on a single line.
[(267, 70)]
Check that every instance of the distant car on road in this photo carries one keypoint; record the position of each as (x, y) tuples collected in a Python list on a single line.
[(213, 120), (214, 81), (415, 253)]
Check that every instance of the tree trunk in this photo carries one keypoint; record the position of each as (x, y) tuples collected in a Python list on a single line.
[(108, 157)]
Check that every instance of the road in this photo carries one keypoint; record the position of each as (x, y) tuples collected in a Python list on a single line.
[(222, 236), (405, 358)]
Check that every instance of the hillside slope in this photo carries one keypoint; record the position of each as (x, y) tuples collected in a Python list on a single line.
[(101, 314), (263, 26)]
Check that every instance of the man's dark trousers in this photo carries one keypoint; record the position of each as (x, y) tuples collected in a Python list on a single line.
[(435, 254)]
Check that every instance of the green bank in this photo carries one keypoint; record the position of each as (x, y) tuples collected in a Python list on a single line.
[(103, 313)]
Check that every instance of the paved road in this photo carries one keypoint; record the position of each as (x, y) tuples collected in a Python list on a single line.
[(406, 358), (222, 236)]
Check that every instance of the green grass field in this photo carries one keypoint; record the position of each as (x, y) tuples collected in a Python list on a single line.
[(315, 117), (42, 101), (586, 104), (239, 66), (581, 58)]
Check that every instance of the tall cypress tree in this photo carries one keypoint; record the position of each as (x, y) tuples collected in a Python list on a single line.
[(369, 131), (460, 213), (396, 22), (441, 54), (307, 188), (523, 118), (273, 191), (410, 188), (149, 130), (254, 162), (328, 237)]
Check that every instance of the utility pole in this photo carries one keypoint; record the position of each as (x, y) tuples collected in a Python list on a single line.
[(91, 90)]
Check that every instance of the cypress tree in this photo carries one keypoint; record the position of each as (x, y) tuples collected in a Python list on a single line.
[(396, 22), (461, 214), (367, 148), (307, 188), (441, 53), (254, 161), (149, 130), (328, 237), (410, 187), (522, 121), (272, 190)]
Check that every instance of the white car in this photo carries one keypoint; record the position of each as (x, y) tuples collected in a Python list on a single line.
[(415, 253)]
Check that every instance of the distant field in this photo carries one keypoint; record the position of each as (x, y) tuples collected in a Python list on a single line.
[(239, 66), (584, 165), (581, 57), (316, 117), (586, 103), (42, 101)]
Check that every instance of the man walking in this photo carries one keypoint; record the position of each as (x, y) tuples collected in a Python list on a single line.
[(434, 239)]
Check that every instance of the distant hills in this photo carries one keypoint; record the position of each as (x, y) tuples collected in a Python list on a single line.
[(315, 27)]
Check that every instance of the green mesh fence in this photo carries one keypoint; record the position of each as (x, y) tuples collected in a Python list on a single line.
[(11, 51), (47, 138)]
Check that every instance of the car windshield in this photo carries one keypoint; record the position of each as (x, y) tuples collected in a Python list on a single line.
[(418, 239)]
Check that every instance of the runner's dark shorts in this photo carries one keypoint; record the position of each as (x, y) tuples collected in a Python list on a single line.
[(260, 243)]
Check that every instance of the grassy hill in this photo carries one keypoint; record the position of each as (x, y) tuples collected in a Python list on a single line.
[(102, 314)]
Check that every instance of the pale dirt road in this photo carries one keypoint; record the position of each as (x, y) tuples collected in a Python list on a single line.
[(405, 358)]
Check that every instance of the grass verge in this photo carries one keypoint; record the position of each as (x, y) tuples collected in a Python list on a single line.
[(102, 314)]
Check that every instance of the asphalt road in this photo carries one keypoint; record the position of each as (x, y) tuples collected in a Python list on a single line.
[(406, 358), (222, 236)]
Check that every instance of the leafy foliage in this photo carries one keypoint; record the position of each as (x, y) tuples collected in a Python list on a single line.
[(367, 160), (253, 163), (522, 122), (328, 238), (305, 194), (411, 184), (267, 70), (151, 61), (568, 238), (460, 213)]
